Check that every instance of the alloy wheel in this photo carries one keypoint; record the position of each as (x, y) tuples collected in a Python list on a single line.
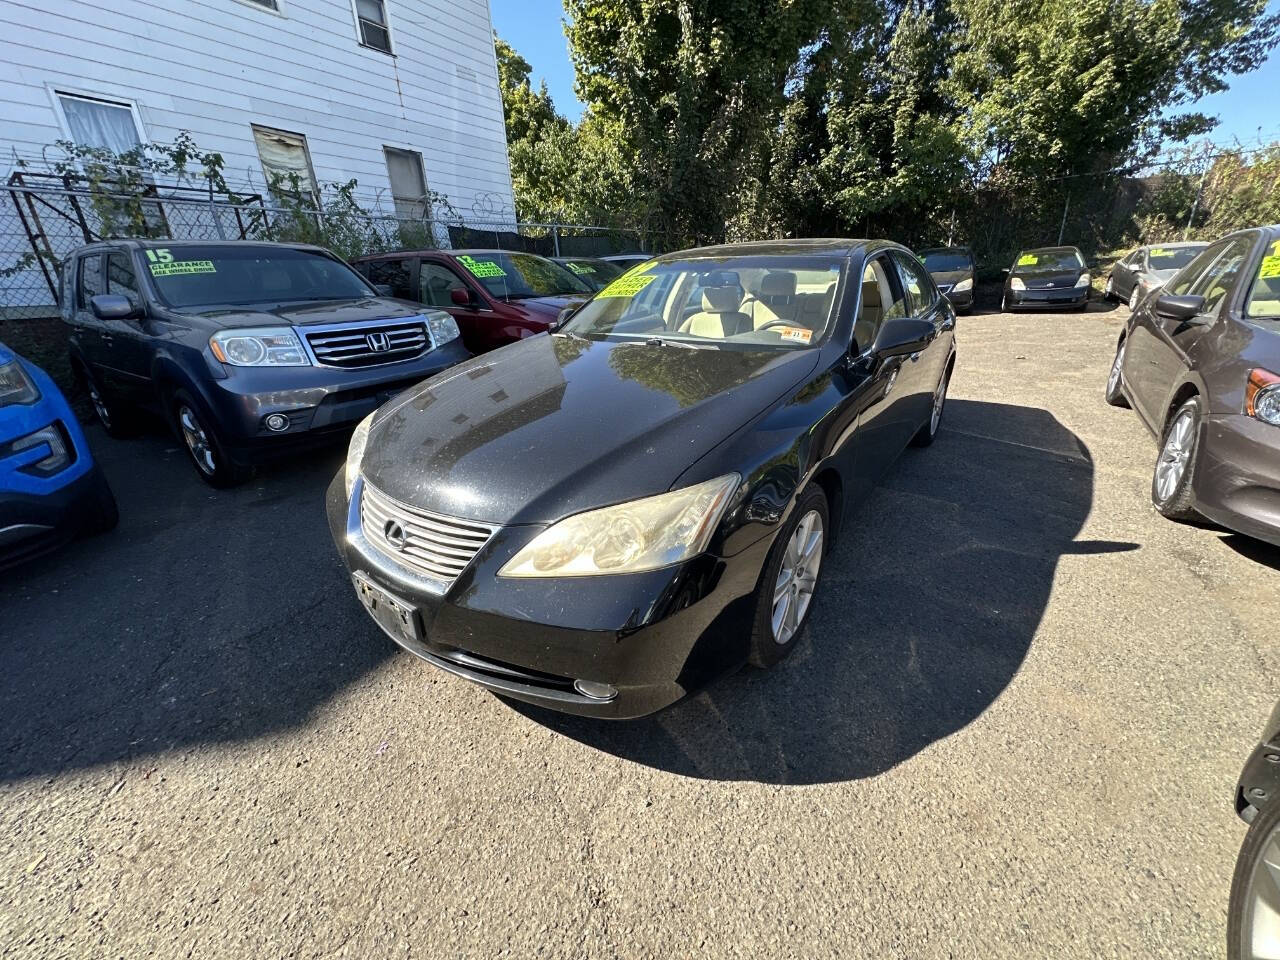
[(198, 443), (1113, 380), (1260, 937), (939, 400), (99, 406), (797, 578), (1175, 455), (1111, 288), (1133, 298)]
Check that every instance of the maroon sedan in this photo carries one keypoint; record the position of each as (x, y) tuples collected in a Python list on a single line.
[(496, 296)]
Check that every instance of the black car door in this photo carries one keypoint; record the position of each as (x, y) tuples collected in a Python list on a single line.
[(925, 367), (129, 342), (86, 283)]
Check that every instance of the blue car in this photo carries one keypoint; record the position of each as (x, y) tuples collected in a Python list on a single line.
[(50, 488)]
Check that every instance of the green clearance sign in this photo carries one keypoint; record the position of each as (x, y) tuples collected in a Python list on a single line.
[(582, 268), (627, 286), (1028, 260), (161, 263), (481, 268)]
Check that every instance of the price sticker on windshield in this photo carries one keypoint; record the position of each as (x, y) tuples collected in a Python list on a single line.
[(1028, 260), (583, 268), (180, 267), (1159, 252), (797, 334), (627, 286), (1270, 266), (481, 268)]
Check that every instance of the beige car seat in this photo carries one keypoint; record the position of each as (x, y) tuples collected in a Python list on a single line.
[(721, 315), (776, 299), (869, 315)]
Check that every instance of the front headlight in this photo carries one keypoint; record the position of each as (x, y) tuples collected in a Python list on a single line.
[(442, 326), (963, 285), (15, 386), (1084, 280), (355, 453), (629, 537), (1262, 396), (1017, 283), (259, 347)]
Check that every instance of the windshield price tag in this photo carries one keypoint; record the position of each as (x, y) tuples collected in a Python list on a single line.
[(1159, 252), (1270, 266), (581, 267), (627, 286), (482, 268), (799, 334), (1028, 260), (181, 267)]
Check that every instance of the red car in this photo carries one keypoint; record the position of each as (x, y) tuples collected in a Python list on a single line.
[(496, 296)]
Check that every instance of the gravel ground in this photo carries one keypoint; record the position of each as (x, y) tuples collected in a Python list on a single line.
[(1013, 730)]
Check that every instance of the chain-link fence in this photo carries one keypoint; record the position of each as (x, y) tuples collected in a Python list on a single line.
[(43, 220)]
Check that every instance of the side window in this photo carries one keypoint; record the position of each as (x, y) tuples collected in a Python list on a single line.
[(436, 283), (89, 281), (396, 274), (881, 298), (893, 297), (1219, 279), (121, 278), (1181, 283), (920, 289)]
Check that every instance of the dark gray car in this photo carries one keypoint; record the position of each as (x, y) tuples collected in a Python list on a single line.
[(952, 270), (1148, 268), (1200, 364)]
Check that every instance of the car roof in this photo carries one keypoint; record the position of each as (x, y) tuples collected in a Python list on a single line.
[(783, 248), (1050, 250), (958, 248), (140, 244), (1175, 245)]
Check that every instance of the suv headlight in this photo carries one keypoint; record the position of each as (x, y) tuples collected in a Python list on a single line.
[(1085, 279), (442, 326), (1262, 396), (963, 285), (355, 453), (629, 537), (259, 347), (1017, 283), (15, 386)]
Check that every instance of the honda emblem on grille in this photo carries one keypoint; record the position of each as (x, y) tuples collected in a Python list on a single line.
[(378, 342), (395, 533)]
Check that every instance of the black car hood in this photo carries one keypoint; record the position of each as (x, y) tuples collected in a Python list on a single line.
[(552, 425), (303, 314), (944, 278), (1038, 279)]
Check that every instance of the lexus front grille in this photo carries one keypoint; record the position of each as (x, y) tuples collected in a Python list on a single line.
[(365, 345), (439, 547)]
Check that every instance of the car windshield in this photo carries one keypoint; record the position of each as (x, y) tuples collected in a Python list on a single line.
[(1264, 294), (594, 273), (1060, 260), (751, 302), (518, 276), (203, 276), (1171, 258), (946, 261)]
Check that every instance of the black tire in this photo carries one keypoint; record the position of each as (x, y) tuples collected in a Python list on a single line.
[(1178, 503), (117, 419), (204, 446), (765, 650), (104, 513), (1114, 392), (1135, 298), (929, 431), (1240, 905)]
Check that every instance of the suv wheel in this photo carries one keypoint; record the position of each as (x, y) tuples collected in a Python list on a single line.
[(203, 444), (116, 419)]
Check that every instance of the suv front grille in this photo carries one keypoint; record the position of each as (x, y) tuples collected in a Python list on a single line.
[(367, 344), (435, 545)]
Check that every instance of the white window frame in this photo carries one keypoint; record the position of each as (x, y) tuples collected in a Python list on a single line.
[(306, 149), (425, 198), (58, 91), (277, 12), (386, 12)]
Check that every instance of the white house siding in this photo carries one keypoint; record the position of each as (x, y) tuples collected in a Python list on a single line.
[(214, 67)]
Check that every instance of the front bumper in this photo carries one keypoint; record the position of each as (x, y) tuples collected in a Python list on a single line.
[(1046, 299), (653, 636), (962, 300), (1237, 481), (321, 402), (33, 524)]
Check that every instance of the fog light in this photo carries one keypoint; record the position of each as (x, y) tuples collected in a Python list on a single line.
[(277, 422), (596, 691)]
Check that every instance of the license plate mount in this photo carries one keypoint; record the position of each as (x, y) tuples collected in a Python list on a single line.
[(398, 618)]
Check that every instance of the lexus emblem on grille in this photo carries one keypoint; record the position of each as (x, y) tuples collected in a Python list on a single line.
[(378, 342), (395, 533)]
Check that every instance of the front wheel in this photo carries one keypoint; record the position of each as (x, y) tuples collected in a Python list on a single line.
[(207, 452), (1252, 929), (789, 580), (1171, 483), (1110, 293), (1134, 298), (1115, 380)]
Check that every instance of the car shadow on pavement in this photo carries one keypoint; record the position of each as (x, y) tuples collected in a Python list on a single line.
[(928, 606), (206, 616), (1259, 551)]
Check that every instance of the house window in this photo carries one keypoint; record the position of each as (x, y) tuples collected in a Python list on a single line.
[(372, 17), (269, 4), (284, 156), (408, 185), (105, 124)]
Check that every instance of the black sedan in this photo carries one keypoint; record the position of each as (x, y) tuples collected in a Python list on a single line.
[(1047, 278), (592, 271), (952, 269), (605, 518)]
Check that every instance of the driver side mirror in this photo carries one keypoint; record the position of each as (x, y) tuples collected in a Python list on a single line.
[(113, 306), (1181, 308), (563, 318), (901, 335), (460, 296)]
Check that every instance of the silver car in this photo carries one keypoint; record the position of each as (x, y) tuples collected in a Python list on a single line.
[(1148, 268)]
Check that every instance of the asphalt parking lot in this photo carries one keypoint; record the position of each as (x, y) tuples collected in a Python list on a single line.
[(1013, 729)]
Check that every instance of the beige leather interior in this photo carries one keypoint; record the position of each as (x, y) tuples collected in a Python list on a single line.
[(869, 316), (721, 314), (775, 300)]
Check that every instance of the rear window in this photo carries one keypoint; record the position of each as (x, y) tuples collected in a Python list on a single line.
[(1171, 258), (1264, 294), (946, 261), (203, 276), (1036, 260), (517, 276)]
